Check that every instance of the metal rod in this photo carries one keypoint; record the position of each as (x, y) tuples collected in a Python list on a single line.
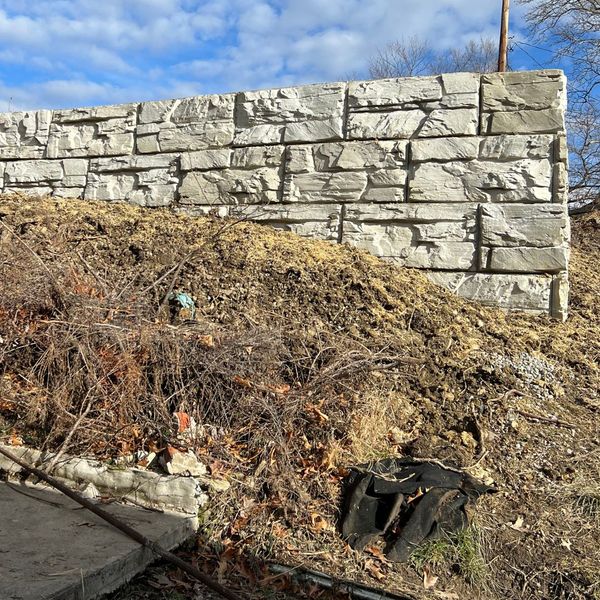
[(503, 46), (126, 529)]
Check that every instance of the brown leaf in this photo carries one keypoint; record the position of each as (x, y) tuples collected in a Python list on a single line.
[(429, 580), (183, 421), (242, 382), (518, 525), (374, 570), (320, 523), (15, 440), (206, 341), (376, 552), (278, 389)]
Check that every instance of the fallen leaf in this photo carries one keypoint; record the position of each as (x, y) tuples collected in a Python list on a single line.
[(206, 341), (321, 416), (518, 525), (15, 440), (429, 580), (374, 570), (183, 421), (278, 389), (320, 523), (242, 382), (376, 552)]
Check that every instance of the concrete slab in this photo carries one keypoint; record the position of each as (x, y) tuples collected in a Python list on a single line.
[(53, 549)]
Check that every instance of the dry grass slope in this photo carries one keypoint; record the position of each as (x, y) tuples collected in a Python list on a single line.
[(303, 358)]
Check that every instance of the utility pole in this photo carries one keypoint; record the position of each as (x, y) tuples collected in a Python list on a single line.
[(502, 51)]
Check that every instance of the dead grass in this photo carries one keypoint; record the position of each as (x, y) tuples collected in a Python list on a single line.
[(304, 358)]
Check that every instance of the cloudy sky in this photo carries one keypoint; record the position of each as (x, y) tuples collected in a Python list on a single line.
[(63, 53)]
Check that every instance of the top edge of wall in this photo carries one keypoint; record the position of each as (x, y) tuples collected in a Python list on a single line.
[(559, 73)]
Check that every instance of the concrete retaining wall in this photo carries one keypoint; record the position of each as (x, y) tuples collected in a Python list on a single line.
[(463, 175)]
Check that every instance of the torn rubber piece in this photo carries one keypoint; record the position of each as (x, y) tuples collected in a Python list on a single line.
[(407, 502)]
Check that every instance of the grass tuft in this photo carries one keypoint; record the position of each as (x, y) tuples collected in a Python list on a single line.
[(461, 551)]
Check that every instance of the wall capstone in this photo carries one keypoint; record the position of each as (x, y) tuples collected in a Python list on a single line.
[(462, 175)]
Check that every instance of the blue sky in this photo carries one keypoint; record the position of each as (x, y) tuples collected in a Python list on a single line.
[(64, 53)]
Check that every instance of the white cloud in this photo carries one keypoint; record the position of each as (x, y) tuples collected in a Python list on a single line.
[(62, 52)]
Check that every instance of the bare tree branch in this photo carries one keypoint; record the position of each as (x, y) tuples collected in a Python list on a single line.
[(571, 29), (414, 56)]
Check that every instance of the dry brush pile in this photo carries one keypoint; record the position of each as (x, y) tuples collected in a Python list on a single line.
[(302, 358)]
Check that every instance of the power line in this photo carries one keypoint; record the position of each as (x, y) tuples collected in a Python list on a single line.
[(535, 60)]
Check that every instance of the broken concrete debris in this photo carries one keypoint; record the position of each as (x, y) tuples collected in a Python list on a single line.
[(407, 502)]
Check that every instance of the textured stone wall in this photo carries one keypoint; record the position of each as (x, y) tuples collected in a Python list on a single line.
[(463, 175)]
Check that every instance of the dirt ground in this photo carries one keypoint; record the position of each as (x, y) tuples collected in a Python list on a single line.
[(301, 359)]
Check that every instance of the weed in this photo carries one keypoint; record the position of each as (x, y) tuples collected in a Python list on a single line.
[(461, 551)]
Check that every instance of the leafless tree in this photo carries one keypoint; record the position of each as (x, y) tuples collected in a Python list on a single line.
[(414, 56), (571, 30), (475, 57), (583, 124), (402, 58)]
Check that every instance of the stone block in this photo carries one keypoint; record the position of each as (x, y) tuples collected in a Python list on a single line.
[(348, 156), (408, 123), (514, 225), (418, 213), (500, 147), (231, 186), (310, 113), (299, 159), (24, 135), (510, 291), (540, 121), (316, 221), (443, 105), (453, 90), (206, 160), (47, 176), (450, 148), (560, 183), (524, 102), (34, 172), (185, 125), (134, 163), (524, 259), (325, 187), (30, 190), (346, 172), (524, 238), (254, 157), (561, 149), (560, 296), (69, 192), (142, 180), (399, 243), (481, 181), (446, 122), (90, 132), (523, 90), (428, 236), (75, 174), (515, 147)]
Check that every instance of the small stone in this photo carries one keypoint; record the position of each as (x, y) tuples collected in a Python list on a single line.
[(177, 462)]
